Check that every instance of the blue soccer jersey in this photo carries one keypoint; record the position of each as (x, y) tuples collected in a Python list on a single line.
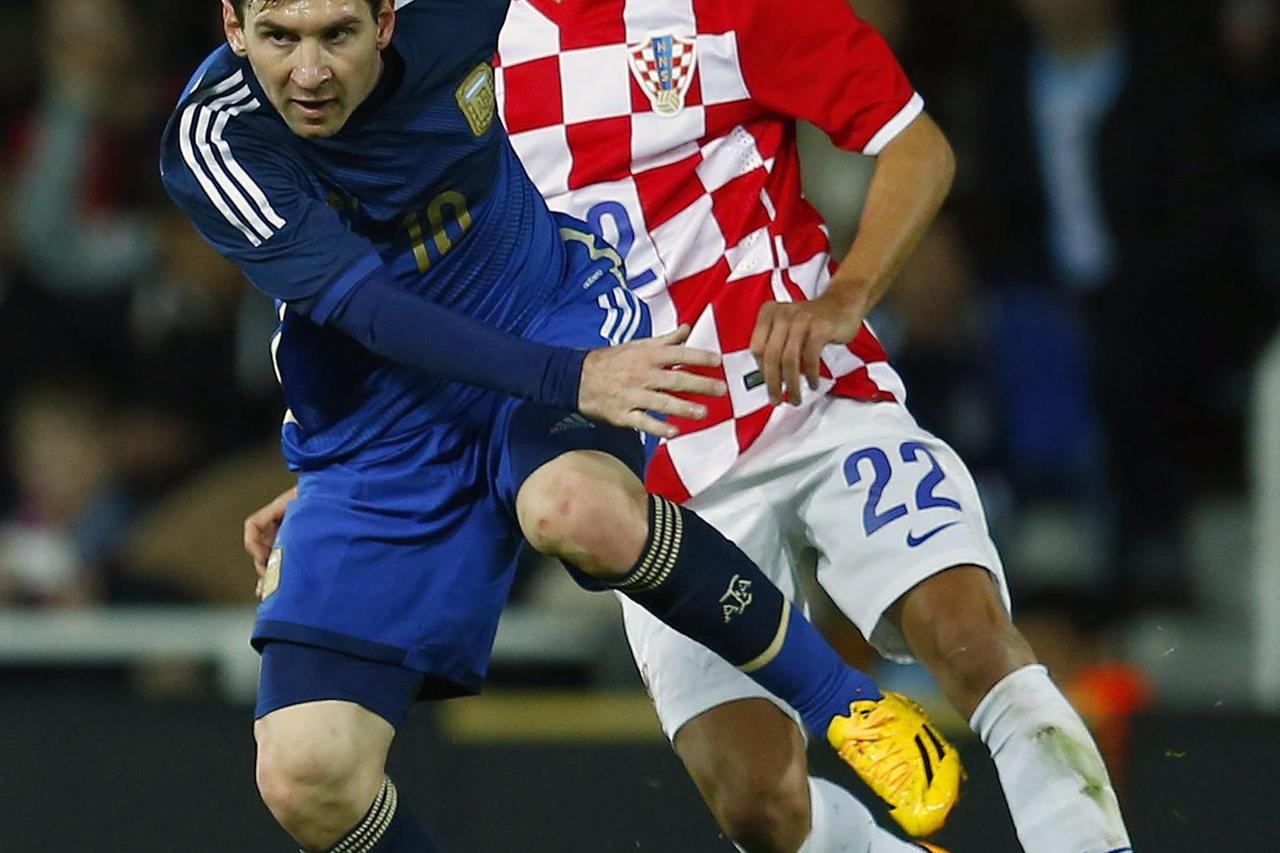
[(420, 188)]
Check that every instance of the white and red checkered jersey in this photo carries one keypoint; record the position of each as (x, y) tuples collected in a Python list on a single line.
[(669, 126)]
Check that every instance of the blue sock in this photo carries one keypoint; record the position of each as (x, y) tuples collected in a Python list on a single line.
[(388, 827), (703, 586)]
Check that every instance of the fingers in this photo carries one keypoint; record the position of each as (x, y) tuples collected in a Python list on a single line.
[(791, 350), (811, 360), (257, 542), (787, 345), (764, 344), (690, 383), (675, 338), (261, 527), (771, 361), (668, 352), (672, 356), (647, 423), (666, 404)]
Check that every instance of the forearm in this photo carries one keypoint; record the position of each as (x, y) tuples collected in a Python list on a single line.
[(410, 330), (912, 177)]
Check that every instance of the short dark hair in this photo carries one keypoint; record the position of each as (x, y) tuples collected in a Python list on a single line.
[(374, 6)]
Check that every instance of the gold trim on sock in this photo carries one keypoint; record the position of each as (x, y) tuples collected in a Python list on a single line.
[(770, 653), (374, 825), (661, 552)]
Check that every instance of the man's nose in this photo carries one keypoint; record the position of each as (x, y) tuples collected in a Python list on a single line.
[(311, 70)]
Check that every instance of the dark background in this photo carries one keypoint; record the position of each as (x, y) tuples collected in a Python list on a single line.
[(137, 777)]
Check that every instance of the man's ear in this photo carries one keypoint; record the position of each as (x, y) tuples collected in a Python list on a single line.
[(386, 20), (233, 28)]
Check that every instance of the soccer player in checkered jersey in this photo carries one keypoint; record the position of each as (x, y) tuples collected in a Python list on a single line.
[(669, 126)]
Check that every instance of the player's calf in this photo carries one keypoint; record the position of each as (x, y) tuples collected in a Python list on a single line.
[(760, 795), (957, 626), (769, 819)]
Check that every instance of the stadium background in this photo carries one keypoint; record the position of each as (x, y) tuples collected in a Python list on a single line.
[(1111, 371)]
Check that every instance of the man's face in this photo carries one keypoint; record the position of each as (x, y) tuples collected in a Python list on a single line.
[(317, 60)]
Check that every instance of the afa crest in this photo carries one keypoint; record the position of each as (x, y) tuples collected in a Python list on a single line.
[(271, 579), (476, 99), (737, 598), (663, 66)]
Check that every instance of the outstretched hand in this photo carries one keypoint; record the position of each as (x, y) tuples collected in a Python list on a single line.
[(621, 385)]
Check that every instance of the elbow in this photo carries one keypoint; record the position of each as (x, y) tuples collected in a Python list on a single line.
[(942, 158)]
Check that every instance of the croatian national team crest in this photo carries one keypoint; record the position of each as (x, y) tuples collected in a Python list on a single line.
[(663, 66)]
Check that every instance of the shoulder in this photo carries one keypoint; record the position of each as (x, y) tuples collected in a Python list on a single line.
[(221, 104), (215, 73), (225, 157), (441, 33)]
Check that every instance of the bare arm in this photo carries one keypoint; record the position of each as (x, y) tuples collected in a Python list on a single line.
[(912, 177)]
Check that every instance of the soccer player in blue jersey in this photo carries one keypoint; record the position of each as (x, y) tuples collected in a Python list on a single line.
[(441, 336)]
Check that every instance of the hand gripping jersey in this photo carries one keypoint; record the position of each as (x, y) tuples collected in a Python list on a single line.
[(420, 189), (669, 126)]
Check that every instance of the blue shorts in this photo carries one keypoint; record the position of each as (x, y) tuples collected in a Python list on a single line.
[(405, 553)]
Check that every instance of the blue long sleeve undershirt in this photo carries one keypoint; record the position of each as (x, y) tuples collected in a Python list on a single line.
[(410, 330)]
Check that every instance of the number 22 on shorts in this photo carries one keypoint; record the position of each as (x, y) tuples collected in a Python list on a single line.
[(875, 461)]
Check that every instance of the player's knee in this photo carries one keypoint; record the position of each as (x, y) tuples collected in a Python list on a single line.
[(298, 783), (308, 784), (586, 511), (763, 815)]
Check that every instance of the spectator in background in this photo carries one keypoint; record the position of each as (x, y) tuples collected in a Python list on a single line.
[(102, 280), (1251, 38), (67, 517), (85, 168), (1105, 211)]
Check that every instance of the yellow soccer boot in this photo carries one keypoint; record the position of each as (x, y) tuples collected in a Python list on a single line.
[(893, 747)]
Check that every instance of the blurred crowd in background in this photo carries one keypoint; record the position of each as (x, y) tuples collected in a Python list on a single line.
[(1081, 323)]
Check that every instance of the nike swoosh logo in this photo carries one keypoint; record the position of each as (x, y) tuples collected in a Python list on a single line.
[(914, 541)]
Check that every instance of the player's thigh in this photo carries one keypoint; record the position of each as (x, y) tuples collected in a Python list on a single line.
[(684, 678), (403, 558), (891, 506)]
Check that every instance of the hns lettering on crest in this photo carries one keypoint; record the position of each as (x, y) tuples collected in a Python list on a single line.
[(476, 99), (663, 66)]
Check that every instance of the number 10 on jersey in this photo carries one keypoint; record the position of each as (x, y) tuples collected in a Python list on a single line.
[(447, 220)]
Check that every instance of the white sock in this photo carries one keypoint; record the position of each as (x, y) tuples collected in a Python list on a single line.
[(841, 824), (1053, 777)]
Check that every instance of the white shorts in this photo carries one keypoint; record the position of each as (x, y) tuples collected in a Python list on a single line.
[(882, 503)]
